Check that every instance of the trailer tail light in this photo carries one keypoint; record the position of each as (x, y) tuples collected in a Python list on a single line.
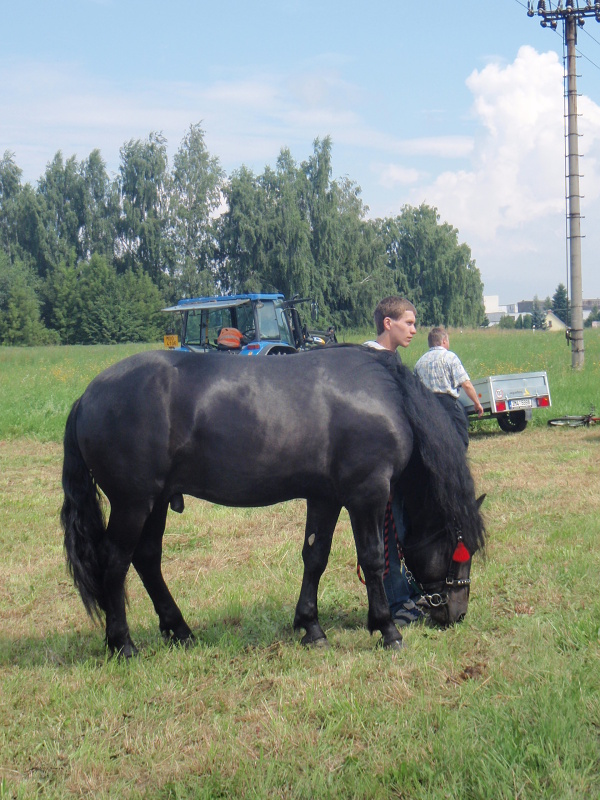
[(253, 347), (501, 405), (543, 402)]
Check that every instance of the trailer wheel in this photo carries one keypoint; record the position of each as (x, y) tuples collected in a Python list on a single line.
[(513, 422)]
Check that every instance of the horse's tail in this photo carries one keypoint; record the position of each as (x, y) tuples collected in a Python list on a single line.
[(82, 521)]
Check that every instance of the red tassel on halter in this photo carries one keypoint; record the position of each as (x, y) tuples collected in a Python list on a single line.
[(461, 553)]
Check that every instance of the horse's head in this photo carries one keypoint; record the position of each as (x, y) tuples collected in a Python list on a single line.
[(441, 565)]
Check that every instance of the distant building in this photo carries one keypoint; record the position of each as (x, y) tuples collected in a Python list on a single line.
[(588, 305), (494, 311), (554, 323)]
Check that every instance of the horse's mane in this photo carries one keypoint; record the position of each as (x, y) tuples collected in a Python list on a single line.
[(437, 476)]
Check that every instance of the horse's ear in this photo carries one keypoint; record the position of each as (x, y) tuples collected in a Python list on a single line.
[(480, 500)]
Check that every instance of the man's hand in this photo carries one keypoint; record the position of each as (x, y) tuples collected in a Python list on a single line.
[(472, 395)]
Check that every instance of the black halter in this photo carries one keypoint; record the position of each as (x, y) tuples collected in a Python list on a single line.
[(434, 593)]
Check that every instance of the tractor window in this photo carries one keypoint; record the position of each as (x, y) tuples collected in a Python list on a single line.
[(215, 320), (192, 327), (269, 328), (284, 325), (245, 320)]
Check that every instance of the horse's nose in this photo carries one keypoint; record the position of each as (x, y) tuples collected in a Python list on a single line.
[(460, 617)]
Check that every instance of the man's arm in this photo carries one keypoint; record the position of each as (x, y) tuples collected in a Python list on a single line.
[(472, 395)]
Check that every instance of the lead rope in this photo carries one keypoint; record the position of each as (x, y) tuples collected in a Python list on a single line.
[(388, 521)]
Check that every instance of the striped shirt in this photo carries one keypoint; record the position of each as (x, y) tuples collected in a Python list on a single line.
[(441, 371)]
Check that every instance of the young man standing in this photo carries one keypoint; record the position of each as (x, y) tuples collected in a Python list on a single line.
[(441, 371), (395, 322), (395, 319)]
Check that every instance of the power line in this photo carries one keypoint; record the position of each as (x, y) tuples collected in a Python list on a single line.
[(554, 30)]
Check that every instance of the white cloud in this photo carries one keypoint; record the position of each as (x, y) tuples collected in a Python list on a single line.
[(394, 175), (509, 204)]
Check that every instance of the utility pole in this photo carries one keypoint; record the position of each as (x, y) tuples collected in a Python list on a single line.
[(572, 14)]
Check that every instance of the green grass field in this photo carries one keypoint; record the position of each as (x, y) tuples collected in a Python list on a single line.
[(505, 705)]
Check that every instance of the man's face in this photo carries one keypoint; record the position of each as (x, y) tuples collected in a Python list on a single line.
[(401, 330)]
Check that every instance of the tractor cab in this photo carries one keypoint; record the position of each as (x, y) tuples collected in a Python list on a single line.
[(267, 323)]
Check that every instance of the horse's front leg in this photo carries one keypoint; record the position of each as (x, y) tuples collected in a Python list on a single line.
[(367, 525), (321, 519)]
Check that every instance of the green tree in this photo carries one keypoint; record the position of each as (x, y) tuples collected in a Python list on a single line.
[(290, 265), (507, 322), (100, 209), (295, 230), (142, 304), (197, 179), (10, 187), (112, 307), (62, 190), (61, 308), (350, 272), (22, 218), (144, 187), (242, 234), (20, 322), (33, 241), (432, 269), (560, 303)]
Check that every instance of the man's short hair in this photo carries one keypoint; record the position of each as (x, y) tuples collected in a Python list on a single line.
[(393, 307), (436, 337)]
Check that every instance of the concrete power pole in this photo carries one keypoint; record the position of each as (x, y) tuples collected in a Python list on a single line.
[(572, 15)]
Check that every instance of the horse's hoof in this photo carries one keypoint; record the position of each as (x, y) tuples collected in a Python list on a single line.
[(124, 653), (183, 637), (395, 644), (318, 644), (186, 642)]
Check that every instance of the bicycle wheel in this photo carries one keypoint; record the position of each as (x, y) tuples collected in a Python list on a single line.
[(570, 422)]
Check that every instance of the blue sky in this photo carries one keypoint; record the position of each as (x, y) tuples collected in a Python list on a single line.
[(456, 105)]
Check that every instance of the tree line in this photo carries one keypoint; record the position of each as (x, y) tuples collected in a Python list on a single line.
[(86, 258)]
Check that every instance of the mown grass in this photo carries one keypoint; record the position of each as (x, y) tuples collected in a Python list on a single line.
[(506, 705)]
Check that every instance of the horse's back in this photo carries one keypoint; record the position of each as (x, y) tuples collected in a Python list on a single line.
[(241, 430)]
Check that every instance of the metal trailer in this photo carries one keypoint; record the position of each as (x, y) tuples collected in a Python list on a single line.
[(510, 398)]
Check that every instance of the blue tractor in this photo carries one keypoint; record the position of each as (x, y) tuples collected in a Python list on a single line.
[(247, 324)]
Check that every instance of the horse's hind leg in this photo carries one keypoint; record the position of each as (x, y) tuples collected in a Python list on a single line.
[(321, 519), (122, 534), (147, 562)]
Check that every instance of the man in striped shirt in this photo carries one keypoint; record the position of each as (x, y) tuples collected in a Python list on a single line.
[(441, 371)]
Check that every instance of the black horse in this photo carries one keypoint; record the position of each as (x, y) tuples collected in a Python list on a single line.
[(341, 426)]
